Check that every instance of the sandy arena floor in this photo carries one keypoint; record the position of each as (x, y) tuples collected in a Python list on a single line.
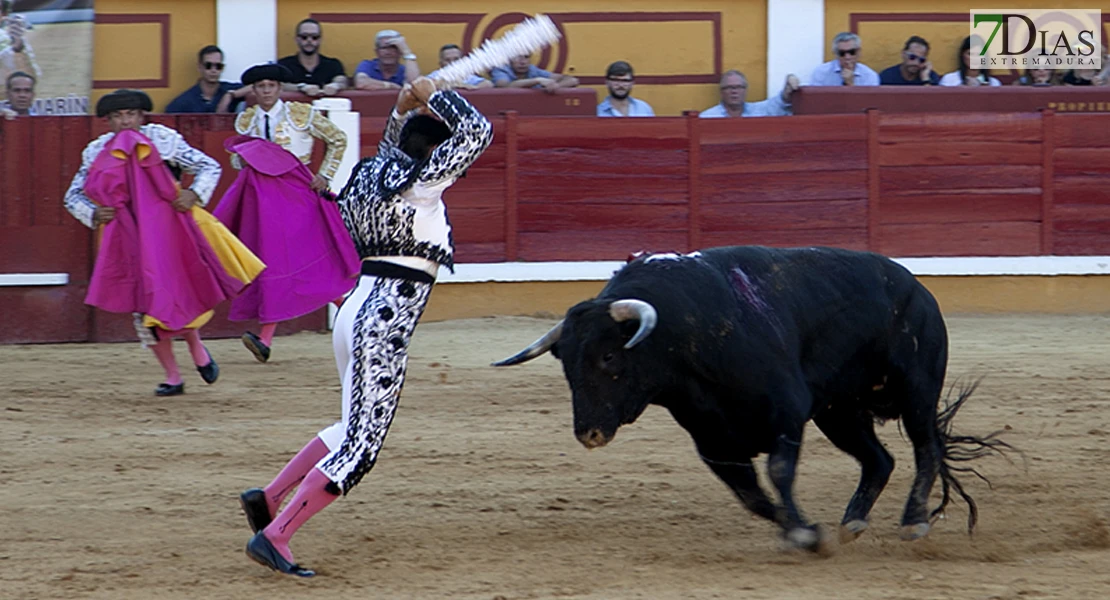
[(482, 491)]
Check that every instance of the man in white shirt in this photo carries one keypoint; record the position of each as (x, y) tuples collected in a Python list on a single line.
[(619, 79), (845, 68), (734, 93)]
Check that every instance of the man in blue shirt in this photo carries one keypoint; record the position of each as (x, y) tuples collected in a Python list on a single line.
[(394, 66), (915, 68), (620, 103), (206, 94), (521, 73), (734, 93), (845, 68)]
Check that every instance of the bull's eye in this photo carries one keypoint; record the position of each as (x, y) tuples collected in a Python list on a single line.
[(608, 358)]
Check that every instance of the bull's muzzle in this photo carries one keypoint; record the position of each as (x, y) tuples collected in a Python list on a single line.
[(593, 438)]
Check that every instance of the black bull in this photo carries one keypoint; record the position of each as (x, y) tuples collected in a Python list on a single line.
[(744, 345)]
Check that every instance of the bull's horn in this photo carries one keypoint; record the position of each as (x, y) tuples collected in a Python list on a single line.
[(623, 310), (537, 348)]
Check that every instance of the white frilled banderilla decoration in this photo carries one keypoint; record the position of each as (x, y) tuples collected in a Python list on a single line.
[(530, 35)]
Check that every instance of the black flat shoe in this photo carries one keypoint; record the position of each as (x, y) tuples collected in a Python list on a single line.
[(258, 349), (165, 389), (261, 551), (254, 506), (211, 371)]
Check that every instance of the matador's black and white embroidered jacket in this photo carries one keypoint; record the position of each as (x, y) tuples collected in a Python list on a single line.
[(392, 205)]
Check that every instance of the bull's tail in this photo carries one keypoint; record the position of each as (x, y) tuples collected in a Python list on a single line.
[(962, 449)]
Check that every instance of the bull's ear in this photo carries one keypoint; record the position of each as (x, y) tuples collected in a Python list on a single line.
[(555, 352)]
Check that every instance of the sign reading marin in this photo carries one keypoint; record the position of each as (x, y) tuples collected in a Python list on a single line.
[(1036, 38)]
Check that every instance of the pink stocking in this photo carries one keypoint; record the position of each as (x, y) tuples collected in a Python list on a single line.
[(311, 497), (196, 347), (294, 472), (163, 351), (267, 333)]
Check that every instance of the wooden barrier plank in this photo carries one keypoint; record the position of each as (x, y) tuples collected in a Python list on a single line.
[(581, 161), (484, 252), (46, 249), (48, 181), (1081, 189), (17, 173), (783, 187), (1082, 243), (783, 215), (769, 130), (41, 315), (600, 217), (1082, 161), (1077, 130), (1048, 174), (959, 153), (512, 181), (555, 132), (794, 157), (957, 179), (693, 180), (612, 244), (481, 188), (853, 238), (960, 127), (477, 225), (874, 194), (569, 189), (961, 208), (961, 239)]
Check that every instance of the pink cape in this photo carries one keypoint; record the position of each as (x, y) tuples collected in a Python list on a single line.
[(152, 259), (310, 258)]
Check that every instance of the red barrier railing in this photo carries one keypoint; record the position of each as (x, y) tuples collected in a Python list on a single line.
[(580, 188)]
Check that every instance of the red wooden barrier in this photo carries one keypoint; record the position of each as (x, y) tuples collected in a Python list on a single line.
[(832, 100), (582, 188)]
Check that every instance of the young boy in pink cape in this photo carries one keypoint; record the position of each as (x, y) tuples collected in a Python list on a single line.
[(160, 256), (283, 212)]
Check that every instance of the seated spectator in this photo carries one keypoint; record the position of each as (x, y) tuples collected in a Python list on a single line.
[(965, 75), (521, 73), (915, 68), (313, 73), (845, 69), (1081, 77), (21, 96), (15, 52), (734, 92), (394, 67), (206, 95), (619, 79), (1039, 77), (449, 54)]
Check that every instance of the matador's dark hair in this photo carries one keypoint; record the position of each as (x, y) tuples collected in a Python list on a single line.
[(420, 135)]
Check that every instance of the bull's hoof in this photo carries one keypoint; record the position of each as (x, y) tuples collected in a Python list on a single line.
[(851, 530), (811, 539), (915, 531)]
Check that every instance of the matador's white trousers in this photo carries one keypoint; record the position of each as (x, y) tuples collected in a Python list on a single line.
[(371, 340)]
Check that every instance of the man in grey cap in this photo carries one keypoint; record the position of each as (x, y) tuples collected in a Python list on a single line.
[(394, 67)]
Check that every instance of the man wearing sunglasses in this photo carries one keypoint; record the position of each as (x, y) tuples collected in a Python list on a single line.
[(205, 96), (619, 79), (915, 68), (313, 73), (844, 68)]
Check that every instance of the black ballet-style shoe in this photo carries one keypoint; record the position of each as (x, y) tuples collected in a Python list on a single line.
[(254, 506), (254, 343), (261, 551), (165, 389), (211, 371)]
